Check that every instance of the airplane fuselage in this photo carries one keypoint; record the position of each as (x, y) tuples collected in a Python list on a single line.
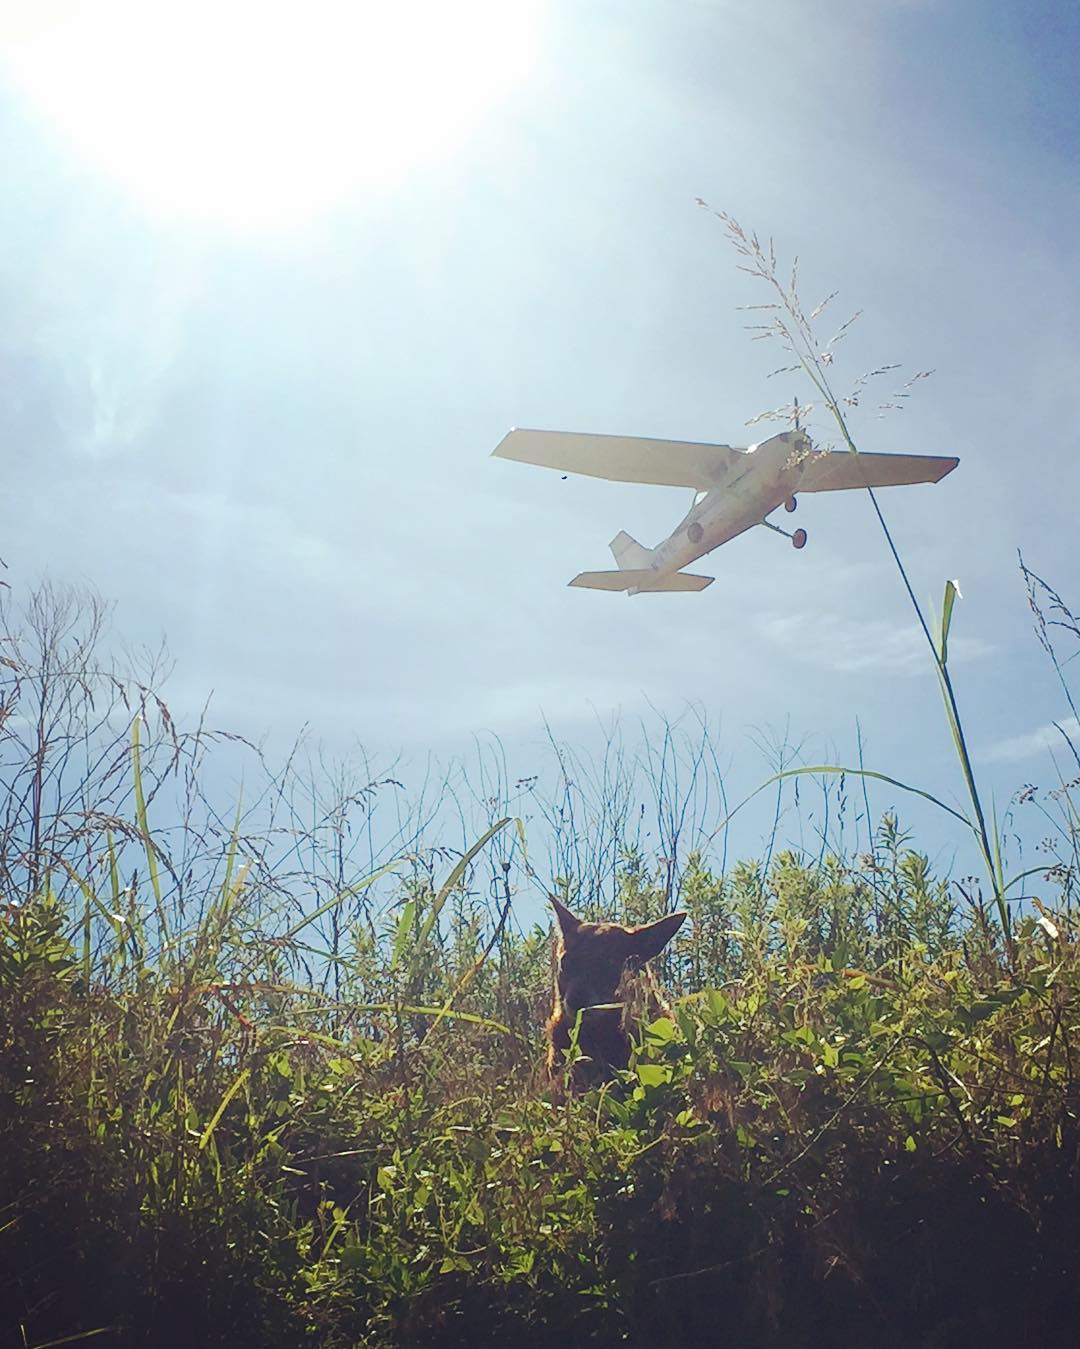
[(743, 496)]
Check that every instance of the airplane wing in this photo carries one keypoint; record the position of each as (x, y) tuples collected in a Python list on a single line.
[(840, 469), (663, 463)]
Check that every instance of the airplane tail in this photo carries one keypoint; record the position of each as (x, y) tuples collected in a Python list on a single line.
[(641, 579), (630, 554)]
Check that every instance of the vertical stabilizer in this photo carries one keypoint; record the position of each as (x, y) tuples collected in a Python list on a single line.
[(629, 554)]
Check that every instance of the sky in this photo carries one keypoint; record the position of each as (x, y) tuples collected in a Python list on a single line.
[(276, 279)]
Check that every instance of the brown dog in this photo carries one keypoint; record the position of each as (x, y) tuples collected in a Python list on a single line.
[(591, 960)]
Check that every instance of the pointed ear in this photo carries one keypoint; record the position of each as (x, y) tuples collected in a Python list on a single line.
[(651, 938), (568, 924)]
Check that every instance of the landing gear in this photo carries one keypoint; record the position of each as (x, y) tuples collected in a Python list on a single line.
[(798, 539), (790, 504)]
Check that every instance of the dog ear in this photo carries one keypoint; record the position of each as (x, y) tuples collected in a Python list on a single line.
[(649, 939), (568, 923)]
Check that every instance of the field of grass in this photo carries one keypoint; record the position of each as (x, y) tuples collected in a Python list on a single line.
[(254, 1092), (272, 1076)]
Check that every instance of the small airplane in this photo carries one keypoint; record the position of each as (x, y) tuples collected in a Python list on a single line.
[(734, 489)]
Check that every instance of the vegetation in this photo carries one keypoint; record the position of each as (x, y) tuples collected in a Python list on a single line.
[(270, 1075), (253, 1092)]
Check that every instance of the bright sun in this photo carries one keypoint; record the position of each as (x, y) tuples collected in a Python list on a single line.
[(262, 116)]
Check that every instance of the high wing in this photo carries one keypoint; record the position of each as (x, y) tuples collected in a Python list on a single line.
[(663, 463), (840, 469)]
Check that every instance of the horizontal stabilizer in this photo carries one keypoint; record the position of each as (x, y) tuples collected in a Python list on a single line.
[(664, 463), (630, 554), (641, 579), (680, 580)]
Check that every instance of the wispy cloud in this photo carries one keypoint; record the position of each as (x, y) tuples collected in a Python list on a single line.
[(100, 320), (1035, 742), (852, 646)]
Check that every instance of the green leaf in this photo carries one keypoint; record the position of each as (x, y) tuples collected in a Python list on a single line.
[(352, 1256), (521, 1263), (661, 1030), (951, 594)]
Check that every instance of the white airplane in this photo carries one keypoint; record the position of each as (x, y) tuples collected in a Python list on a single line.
[(734, 490)]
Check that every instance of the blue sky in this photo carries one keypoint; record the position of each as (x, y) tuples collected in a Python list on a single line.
[(261, 423)]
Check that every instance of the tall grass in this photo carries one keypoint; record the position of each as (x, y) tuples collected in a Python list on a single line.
[(785, 320), (271, 1076)]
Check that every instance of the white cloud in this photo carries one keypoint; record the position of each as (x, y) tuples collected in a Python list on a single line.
[(1035, 742), (853, 646)]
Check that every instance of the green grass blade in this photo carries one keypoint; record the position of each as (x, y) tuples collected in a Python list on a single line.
[(401, 935), (410, 1009), (471, 973), (208, 1132), (836, 770), (341, 896), (230, 856), (951, 594), (114, 871), (999, 869), (451, 881), (982, 834), (144, 826), (91, 900), (1022, 876), (389, 1009), (79, 1335)]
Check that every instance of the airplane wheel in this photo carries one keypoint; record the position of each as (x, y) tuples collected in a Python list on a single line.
[(798, 539), (790, 504)]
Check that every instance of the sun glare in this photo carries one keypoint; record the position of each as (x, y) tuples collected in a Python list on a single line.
[(261, 117)]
